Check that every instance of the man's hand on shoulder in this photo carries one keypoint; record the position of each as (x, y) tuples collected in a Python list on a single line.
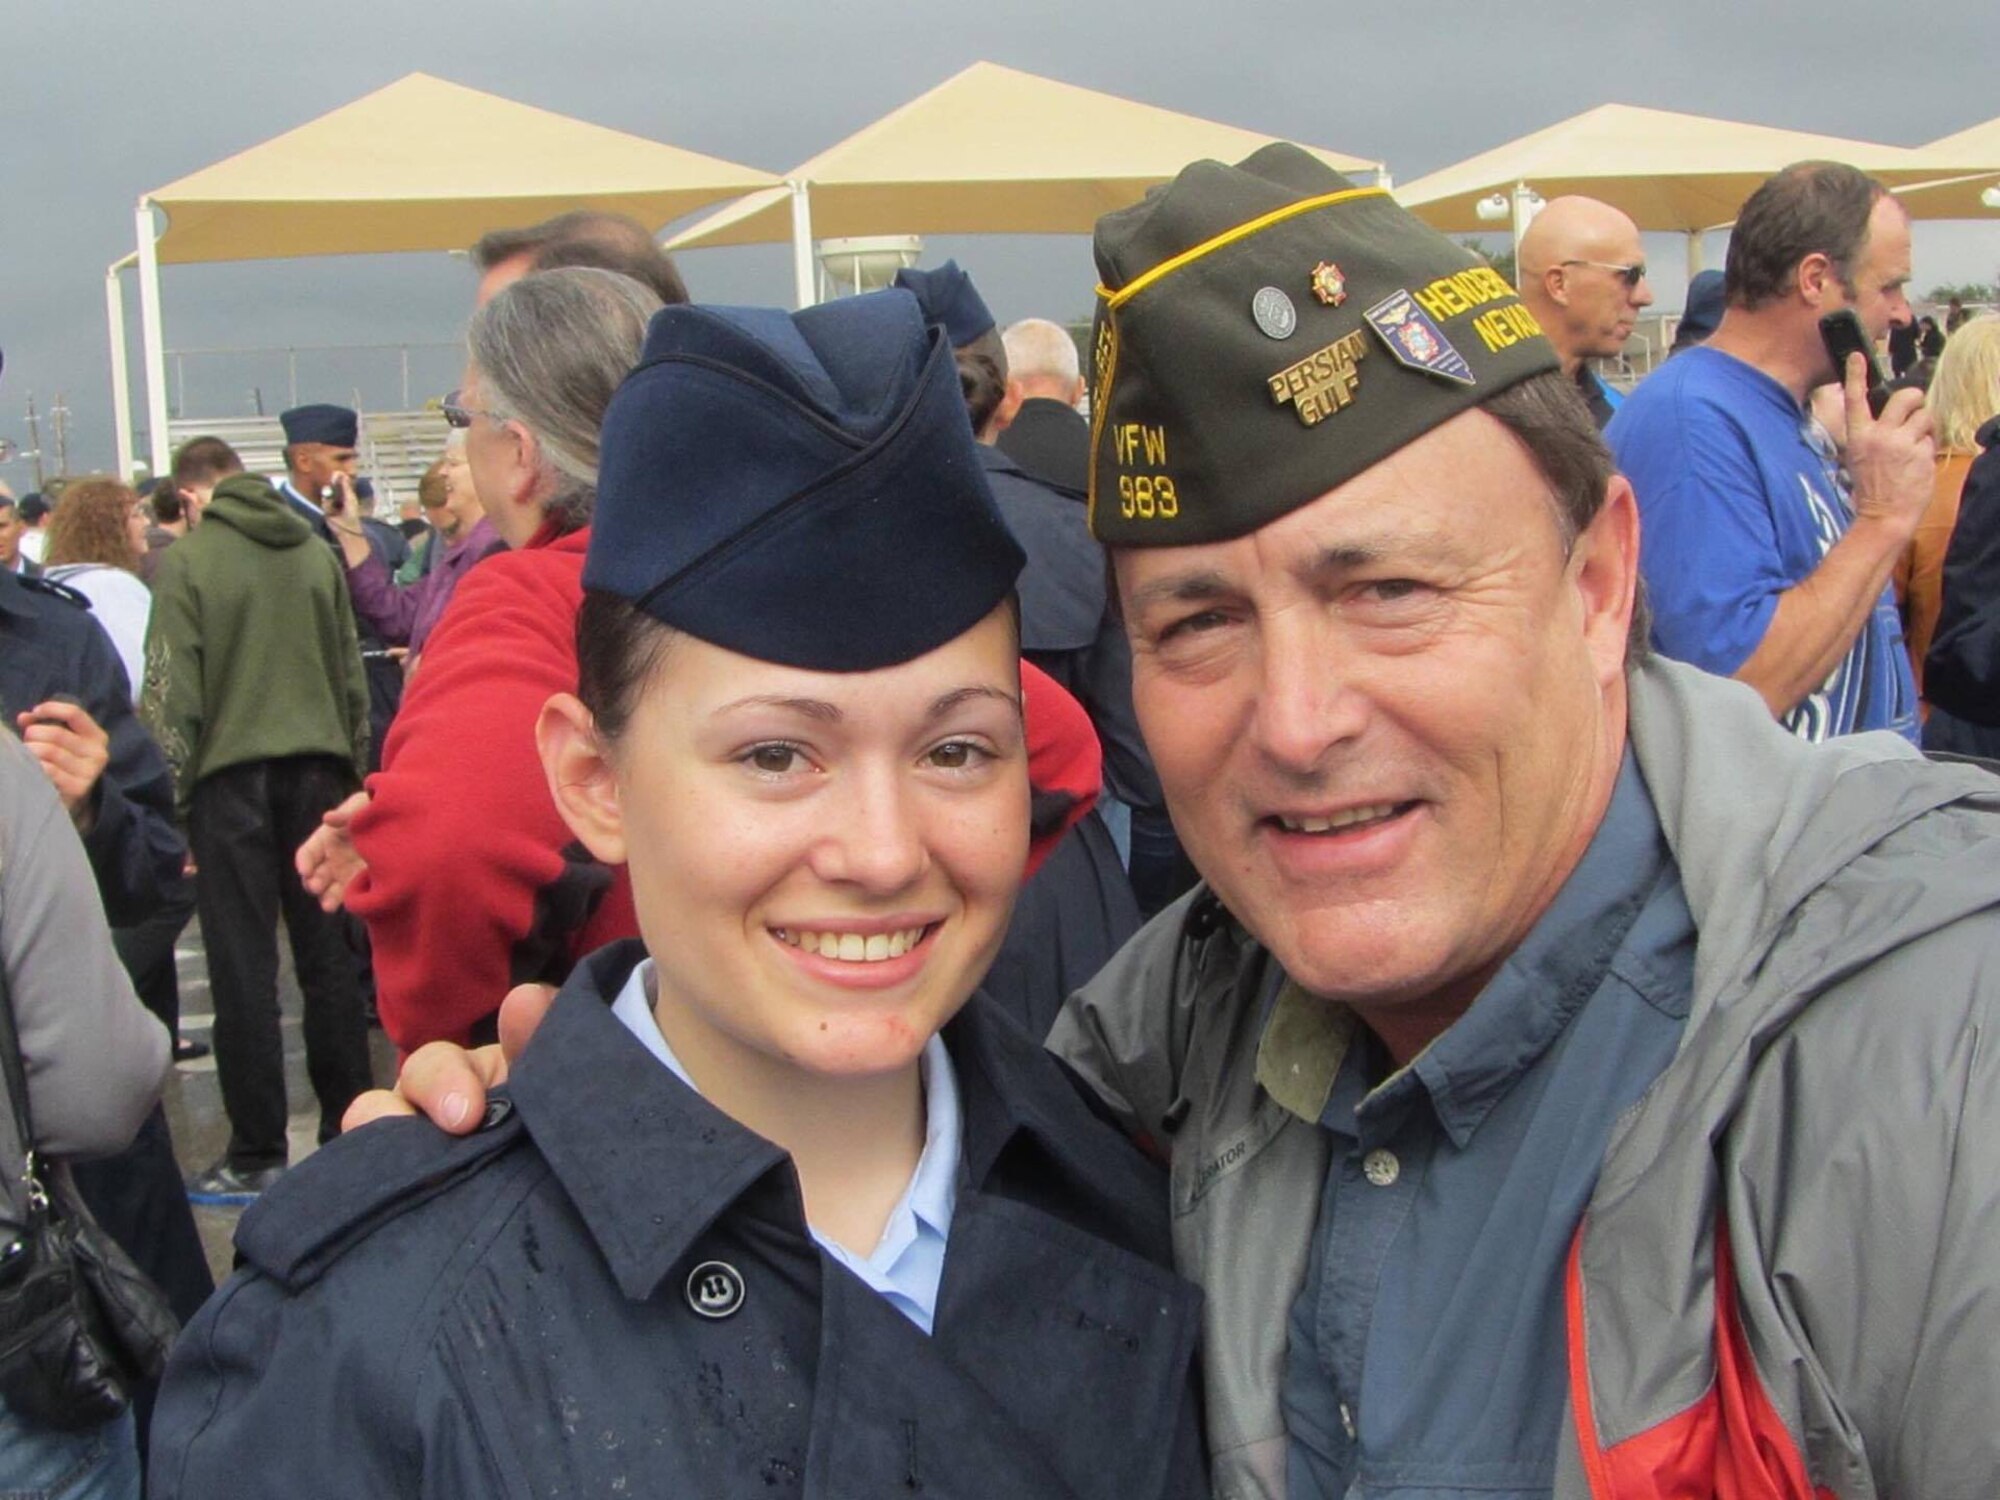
[(447, 1083), (1893, 457)]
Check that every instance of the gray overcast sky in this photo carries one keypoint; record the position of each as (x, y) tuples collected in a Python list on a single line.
[(112, 98)]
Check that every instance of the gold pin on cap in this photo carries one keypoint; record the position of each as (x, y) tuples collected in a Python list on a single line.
[(1328, 284)]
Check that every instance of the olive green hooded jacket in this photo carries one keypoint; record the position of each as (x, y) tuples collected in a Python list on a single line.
[(251, 652)]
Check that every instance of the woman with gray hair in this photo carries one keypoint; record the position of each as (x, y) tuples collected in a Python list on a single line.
[(544, 357), (455, 858)]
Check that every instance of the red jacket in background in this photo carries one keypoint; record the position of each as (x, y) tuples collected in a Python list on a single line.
[(474, 882)]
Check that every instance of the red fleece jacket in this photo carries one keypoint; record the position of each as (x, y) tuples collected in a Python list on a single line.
[(474, 882)]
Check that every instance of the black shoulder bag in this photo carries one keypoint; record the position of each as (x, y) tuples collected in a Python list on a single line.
[(80, 1325)]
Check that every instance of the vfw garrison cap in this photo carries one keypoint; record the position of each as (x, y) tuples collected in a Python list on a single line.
[(1267, 331), (336, 426), (799, 487)]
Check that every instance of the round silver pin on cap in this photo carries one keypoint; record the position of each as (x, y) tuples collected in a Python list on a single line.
[(1274, 312), (715, 1289)]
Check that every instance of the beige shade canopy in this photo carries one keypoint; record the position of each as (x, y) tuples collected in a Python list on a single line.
[(1959, 197), (989, 151), (428, 165), (1669, 171)]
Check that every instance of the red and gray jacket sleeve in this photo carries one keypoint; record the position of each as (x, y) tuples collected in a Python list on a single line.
[(1065, 765), (474, 883)]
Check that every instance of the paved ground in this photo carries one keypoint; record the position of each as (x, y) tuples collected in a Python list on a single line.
[(194, 1101)]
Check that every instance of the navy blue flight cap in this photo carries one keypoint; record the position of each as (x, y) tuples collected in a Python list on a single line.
[(802, 488), (1705, 305), (948, 296), (336, 426)]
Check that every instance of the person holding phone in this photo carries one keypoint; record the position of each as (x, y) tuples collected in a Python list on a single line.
[(1761, 562), (824, 1220), (320, 450)]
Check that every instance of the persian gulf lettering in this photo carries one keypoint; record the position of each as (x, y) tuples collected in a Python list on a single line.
[(1323, 382)]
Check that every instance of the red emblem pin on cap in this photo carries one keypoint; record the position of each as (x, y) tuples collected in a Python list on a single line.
[(1328, 284)]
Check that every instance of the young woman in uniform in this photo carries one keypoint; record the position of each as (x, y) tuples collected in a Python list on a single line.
[(773, 1204)]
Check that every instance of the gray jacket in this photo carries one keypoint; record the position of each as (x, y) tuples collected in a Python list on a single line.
[(1840, 1055), (94, 1057)]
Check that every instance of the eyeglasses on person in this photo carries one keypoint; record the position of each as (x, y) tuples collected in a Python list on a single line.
[(460, 416), (1631, 275)]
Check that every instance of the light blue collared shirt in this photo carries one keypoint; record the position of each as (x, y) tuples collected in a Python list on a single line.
[(287, 488), (908, 1262)]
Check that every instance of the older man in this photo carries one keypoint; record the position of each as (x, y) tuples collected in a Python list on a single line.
[(1762, 560), (1572, 1083), (1042, 430), (1582, 271), (1550, 970)]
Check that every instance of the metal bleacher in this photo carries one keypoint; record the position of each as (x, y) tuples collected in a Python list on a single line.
[(396, 447)]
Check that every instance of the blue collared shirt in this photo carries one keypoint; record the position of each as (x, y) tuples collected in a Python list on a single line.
[(1427, 1352), (908, 1261)]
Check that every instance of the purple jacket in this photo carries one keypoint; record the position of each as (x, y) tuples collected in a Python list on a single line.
[(405, 616)]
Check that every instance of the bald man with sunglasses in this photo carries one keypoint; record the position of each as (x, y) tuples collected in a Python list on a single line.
[(1583, 275)]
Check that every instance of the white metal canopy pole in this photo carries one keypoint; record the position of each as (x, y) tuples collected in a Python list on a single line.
[(802, 246), (157, 441), (1694, 253), (1527, 203), (121, 380)]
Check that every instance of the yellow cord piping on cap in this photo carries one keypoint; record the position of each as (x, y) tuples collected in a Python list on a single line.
[(1230, 236), (1100, 403)]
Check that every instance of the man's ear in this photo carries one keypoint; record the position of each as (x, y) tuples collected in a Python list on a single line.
[(1605, 563), (1009, 408), (1815, 275), (581, 778), (1555, 285)]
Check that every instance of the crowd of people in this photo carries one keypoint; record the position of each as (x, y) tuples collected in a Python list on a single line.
[(1326, 899)]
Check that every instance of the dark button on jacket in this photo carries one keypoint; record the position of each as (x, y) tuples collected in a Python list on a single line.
[(509, 1315)]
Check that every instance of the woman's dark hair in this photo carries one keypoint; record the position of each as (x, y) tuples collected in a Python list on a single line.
[(984, 385), (619, 647)]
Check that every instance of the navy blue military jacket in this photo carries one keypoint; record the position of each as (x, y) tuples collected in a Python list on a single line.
[(49, 645), (611, 1291)]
